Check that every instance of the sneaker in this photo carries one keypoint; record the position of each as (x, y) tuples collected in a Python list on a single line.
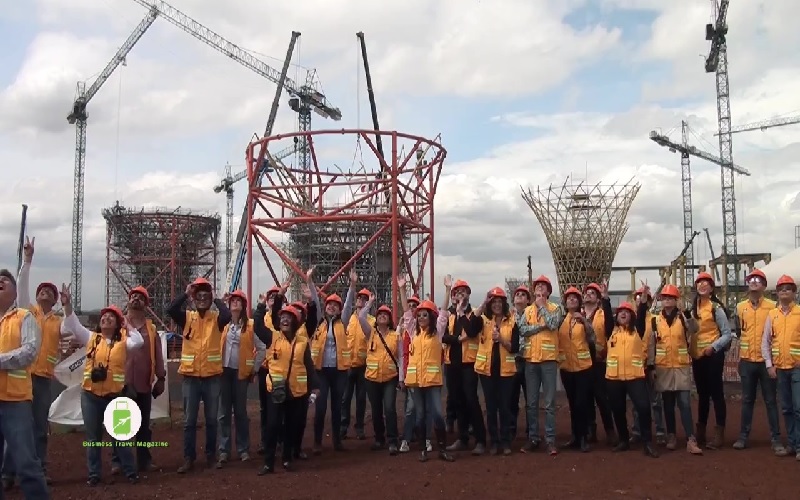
[(244, 457), (661, 439), (404, 447), (428, 446), (692, 447), (779, 450), (740, 444), (551, 449)]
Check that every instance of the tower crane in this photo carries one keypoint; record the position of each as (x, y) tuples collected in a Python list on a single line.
[(686, 151), (79, 117), (717, 62), (765, 124)]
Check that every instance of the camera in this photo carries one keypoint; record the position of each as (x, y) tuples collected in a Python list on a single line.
[(99, 374)]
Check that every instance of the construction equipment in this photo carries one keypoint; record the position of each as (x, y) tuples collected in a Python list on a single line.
[(765, 124), (717, 62), (22, 226), (713, 256), (78, 117), (371, 93)]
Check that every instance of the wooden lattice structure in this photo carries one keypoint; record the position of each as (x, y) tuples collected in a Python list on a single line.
[(584, 226)]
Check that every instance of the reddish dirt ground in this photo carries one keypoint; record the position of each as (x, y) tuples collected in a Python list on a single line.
[(358, 472)]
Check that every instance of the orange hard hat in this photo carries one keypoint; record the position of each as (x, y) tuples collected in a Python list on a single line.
[(116, 311), (293, 311), (523, 288), (461, 284), (50, 286), (497, 292), (756, 273), (544, 279), (334, 298), (704, 276), (239, 295), (626, 306), (274, 289), (641, 291), (593, 286), (786, 280), (573, 290), (384, 309), (300, 306), (414, 298), (201, 282), (429, 306), (140, 290), (670, 291), (366, 293)]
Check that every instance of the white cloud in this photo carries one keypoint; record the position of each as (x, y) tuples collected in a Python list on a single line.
[(162, 127)]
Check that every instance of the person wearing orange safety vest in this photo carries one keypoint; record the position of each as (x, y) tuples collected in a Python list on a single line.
[(405, 328), (242, 352), (521, 301), (356, 385), (708, 350), (424, 371), (656, 401), (383, 374), (576, 350), (262, 375), (461, 342), (49, 355), (752, 315), (331, 350), (20, 339), (104, 379), (292, 382), (780, 347), (625, 371), (146, 373), (671, 331), (201, 365), (597, 309), (539, 328)]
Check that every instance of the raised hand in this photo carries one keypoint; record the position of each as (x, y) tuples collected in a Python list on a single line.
[(262, 298), (310, 272), (604, 288), (27, 249), (285, 286), (448, 281), (306, 292), (401, 281), (190, 290), (353, 277), (65, 295)]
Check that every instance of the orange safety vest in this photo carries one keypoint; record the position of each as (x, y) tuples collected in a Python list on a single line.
[(343, 345), (279, 358), (573, 349), (113, 357), (424, 361), (380, 367), (358, 340), (625, 355), (544, 345), (247, 350), (708, 331), (469, 348), (752, 321), (672, 348), (785, 337), (483, 360), (201, 353), (15, 385), (49, 354)]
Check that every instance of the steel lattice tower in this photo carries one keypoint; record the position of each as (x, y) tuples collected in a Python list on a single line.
[(584, 226), (686, 188)]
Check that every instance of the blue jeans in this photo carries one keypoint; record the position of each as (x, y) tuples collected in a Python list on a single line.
[(354, 386), (684, 401), (331, 381), (16, 428), (752, 375), (41, 409), (657, 407), (427, 406), (383, 400), (93, 408), (233, 400), (789, 390), (541, 377), (196, 389)]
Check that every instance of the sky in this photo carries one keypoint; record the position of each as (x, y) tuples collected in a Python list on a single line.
[(523, 93)]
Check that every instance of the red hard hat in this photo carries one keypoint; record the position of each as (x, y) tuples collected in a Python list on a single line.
[(626, 306), (523, 288), (786, 280), (593, 286), (544, 279), (116, 310), (202, 283), (238, 294), (274, 289), (300, 306), (757, 273), (461, 284), (366, 293), (49, 285), (573, 290), (334, 298), (670, 291), (293, 311), (704, 276), (497, 292), (429, 306), (384, 309), (414, 298), (140, 290)]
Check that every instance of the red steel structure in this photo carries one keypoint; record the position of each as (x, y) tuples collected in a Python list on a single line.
[(160, 249), (393, 197)]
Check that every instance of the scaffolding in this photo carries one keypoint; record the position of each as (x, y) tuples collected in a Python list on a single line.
[(584, 226), (161, 249), (383, 229)]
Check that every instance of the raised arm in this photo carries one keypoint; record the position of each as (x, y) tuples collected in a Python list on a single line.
[(441, 322), (363, 318), (30, 341), (263, 333), (347, 310), (175, 310), (73, 325), (23, 286), (641, 318), (312, 290), (223, 313)]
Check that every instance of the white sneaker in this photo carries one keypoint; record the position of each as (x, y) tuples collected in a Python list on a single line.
[(428, 445), (404, 446)]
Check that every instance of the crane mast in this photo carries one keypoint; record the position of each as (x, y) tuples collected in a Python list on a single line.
[(765, 124), (686, 189), (78, 117), (717, 62)]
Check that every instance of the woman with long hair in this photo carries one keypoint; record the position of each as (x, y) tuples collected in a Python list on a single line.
[(291, 377), (496, 364), (708, 359), (383, 373), (103, 379), (242, 353), (576, 352), (625, 372)]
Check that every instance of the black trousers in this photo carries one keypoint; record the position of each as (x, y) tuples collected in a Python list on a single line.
[(451, 411), (464, 387), (262, 403), (383, 401), (600, 397), (518, 386), (355, 386), (282, 422), (331, 382), (578, 386), (497, 393), (144, 400), (636, 390), (707, 372)]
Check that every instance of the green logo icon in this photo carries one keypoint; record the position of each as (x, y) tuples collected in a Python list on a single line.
[(122, 418)]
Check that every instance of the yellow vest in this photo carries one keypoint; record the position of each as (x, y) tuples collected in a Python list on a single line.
[(544, 345), (483, 359), (625, 355), (15, 385), (672, 350), (380, 367), (573, 349), (358, 340), (648, 332), (112, 357), (424, 361), (599, 325), (469, 349), (278, 360), (343, 345), (201, 353), (752, 321), (49, 354), (785, 337), (247, 350), (708, 331)]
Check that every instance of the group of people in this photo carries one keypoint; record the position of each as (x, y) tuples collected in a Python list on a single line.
[(323, 351)]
